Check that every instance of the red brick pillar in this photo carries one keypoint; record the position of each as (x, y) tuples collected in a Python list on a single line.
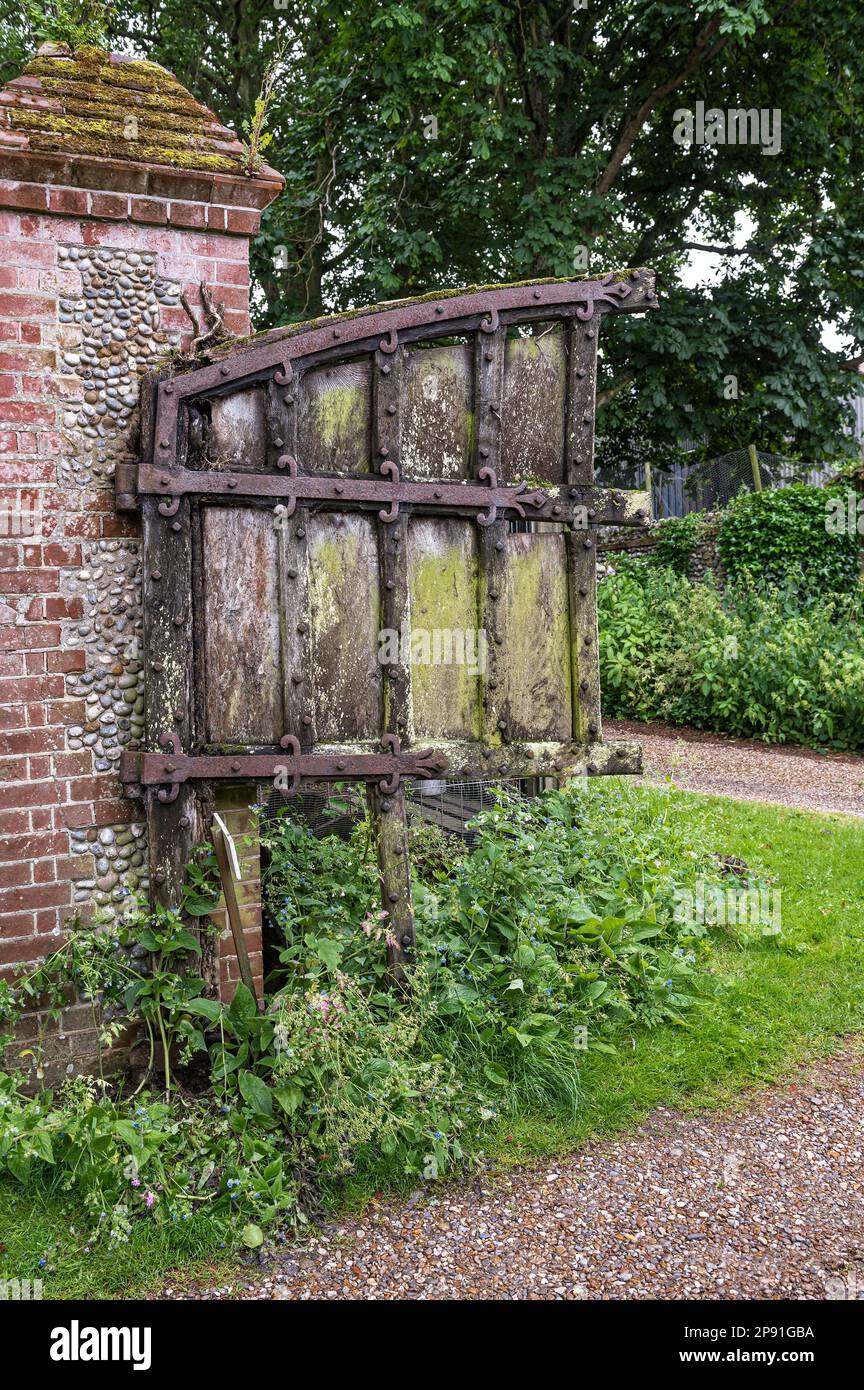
[(99, 238)]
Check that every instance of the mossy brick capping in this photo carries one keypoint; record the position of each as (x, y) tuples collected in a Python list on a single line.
[(104, 104)]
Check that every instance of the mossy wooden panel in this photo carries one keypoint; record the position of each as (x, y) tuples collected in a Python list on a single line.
[(243, 680), (343, 585), (533, 409), (236, 439), (535, 626), (333, 426), (447, 651), (436, 412)]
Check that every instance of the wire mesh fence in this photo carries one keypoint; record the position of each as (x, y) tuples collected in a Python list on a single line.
[(711, 484)]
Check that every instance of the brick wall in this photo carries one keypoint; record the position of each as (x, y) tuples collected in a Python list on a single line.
[(90, 284)]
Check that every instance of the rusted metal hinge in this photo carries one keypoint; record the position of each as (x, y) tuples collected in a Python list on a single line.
[(126, 498)]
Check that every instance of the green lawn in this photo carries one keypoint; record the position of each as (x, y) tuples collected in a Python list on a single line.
[(777, 1005)]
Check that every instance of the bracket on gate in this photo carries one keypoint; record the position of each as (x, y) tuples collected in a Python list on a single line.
[(167, 770)]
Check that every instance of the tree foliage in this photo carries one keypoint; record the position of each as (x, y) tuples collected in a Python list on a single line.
[(439, 142)]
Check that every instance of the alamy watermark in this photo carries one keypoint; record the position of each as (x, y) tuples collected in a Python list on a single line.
[(437, 646), (756, 126), (20, 1290), (710, 904), (21, 514), (844, 515)]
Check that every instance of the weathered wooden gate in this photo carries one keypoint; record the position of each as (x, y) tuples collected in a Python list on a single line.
[(346, 489)]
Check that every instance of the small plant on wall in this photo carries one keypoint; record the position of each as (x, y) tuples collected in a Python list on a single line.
[(75, 24)]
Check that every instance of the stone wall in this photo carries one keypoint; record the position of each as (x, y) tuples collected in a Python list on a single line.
[(624, 540), (90, 285)]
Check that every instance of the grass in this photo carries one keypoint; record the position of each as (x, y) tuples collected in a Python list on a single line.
[(778, 1004)]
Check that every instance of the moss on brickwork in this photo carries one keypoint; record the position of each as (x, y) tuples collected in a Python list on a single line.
[(90, 98)]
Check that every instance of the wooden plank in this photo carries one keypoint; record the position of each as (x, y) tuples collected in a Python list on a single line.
[(533, 621), (334, 421), (390, 830), (172, 827), (437, 413), (236, 439), (343, 568), (533, 410), (581, 397), (447, 649), (241, 626), (584, 643), (489, 360)]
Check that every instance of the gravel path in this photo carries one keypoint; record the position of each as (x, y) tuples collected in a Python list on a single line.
[(747, 769), (764, 1202)]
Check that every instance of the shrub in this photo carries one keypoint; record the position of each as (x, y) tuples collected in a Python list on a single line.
[(676, 539), (775, 535), (779, 664)]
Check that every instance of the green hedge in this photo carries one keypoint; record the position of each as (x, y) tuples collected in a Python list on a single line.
[(771, 535), (766, 663)]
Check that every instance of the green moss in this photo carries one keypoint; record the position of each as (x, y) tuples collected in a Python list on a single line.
[(98, 96), (336, 412)]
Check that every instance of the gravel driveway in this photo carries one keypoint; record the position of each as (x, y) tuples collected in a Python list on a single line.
[(747, 769), (764, 1202)]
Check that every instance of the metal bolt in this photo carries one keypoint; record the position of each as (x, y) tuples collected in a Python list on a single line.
[(392, 897), (580, 371), (156, 666), (385, 805), (488, 356), (340, 767), (163, 443), (583, 685), (583, 591), (406, 940), (391, 410), (296, 679), (301, 531), (292, 574), (336, 333), (484, 453), (587, 543), (439, 308), (385, 370), (178, 622), (277, 443), (170, 767), (169, 389), (389, 584), (175, 526), (592, 728), (302, 627), (307, 719), (339, 488), (235, 767), (232, 482), (156, 574), (587, 639)]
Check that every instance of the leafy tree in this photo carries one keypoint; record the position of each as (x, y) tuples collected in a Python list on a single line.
[(439, 142)]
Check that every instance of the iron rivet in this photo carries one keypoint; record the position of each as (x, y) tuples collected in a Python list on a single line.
[(499, 640), (178, 714), (587, 639), (392, 897), (385, 369), (292, 574), (156, 666), (529, 752), (336, 333), (437, 493), (278, 443), (289, 400), (391, 410), (493, 593), (499, 545), (592, 728), (235, 767), (178, 622), (184, 821), (232, 483), (492, 683), (223, 371), (592, 767), (502, 723), (590, 333), (558, 766), (389, 584), (163, 481), (163, 443), (302, 627), (307, 719), (170, 767), (580, 372), (592, 512), (536, 294), (175, 526), (385, 805), (583, 685), (487, 356), (484, 453), (169, 390), (406, 940), (583, 591), (339, 488), (383, 451), (156, 574), (587, 543), (439, 308), (556, 511), (301, 531), (340, 767), (296, 680)]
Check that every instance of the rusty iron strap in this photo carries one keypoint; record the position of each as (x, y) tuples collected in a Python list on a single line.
[(168, 769), (594, 506)]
